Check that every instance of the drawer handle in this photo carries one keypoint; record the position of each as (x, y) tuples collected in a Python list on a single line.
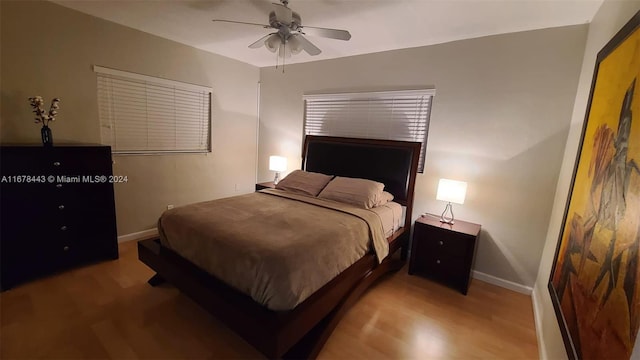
[(63, 227), (58, 186), (56, 163), (441, 243), (61, 207), (437, 261)]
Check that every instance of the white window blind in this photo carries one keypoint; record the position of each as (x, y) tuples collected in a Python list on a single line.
[(391, 115), (141, 114)]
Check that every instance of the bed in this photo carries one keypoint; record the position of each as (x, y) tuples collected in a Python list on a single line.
[(301, 331)]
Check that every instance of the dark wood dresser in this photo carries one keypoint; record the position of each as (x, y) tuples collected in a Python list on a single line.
[(57, 210), (444, 252)]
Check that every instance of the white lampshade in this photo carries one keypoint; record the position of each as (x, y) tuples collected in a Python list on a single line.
[(277, 163), (294, 44), (451, 191), (272, 43)]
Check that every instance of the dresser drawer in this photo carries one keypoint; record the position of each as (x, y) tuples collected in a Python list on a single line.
[(73, 161), (30, 252), (89, 236), (16, 160), (83, 197)]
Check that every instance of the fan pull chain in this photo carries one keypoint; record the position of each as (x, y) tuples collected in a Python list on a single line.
[(283, 57)]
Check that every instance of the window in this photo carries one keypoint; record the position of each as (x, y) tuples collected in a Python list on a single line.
[(391, 115), (142, 114)]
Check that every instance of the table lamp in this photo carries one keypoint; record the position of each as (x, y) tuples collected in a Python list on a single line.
[(451, 191), (277, 164)]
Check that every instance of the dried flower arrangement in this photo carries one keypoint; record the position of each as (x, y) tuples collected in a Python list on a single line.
[(45, 117), (41, 116)]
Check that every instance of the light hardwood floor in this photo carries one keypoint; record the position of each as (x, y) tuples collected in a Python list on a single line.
[(107, 310)]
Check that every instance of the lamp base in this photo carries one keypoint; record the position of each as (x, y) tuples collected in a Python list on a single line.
[(447, 219), (276, 179)]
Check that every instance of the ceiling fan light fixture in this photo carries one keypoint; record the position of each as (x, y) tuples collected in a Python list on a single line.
[(294, 45), (272, 43)]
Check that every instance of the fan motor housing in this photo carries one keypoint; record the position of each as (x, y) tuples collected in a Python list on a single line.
[(296, 20)]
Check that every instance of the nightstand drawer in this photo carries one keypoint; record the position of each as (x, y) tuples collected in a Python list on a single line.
[(430, 261), (440, 240), (444, 265)]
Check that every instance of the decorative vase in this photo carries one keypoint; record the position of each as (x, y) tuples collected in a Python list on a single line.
[(47, 138)]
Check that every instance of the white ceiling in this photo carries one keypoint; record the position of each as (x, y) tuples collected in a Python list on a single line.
[(375, 25)]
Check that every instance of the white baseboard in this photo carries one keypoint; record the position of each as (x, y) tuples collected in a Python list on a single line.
[(537, 317), (502, 283), (140, 235)]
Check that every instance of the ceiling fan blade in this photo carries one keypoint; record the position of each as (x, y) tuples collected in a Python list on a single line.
[(327, 33), (260, 42), (241, 22), (283, 13), (308, 46)]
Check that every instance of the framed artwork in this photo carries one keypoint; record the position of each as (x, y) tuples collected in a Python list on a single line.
[(594, 283)]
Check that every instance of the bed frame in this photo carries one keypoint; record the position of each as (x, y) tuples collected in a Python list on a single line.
[(301, 332)]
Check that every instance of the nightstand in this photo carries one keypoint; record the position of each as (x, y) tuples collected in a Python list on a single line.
[(265, 185), (444, 252)]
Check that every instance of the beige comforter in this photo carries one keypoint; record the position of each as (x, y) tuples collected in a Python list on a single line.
[(274, 246)]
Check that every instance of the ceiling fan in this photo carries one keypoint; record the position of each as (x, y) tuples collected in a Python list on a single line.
[(288, 38)]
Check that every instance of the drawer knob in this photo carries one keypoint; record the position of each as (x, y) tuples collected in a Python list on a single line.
[(56, 163), (66, 248), (61, 207), (441, 242), (437, 261), (63, 227), (58, 186)]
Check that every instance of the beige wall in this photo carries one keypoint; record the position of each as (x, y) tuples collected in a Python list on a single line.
[(612, 15), (500, 120), (49, 50)]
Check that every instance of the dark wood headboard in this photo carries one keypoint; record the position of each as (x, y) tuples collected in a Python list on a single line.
[(394, 163)]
